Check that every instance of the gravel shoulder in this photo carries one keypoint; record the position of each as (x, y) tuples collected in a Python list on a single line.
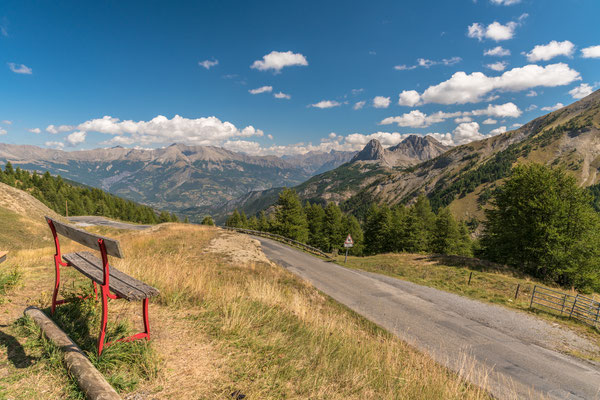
[(520, 354)]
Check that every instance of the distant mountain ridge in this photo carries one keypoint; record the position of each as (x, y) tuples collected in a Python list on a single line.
[(174, 178), (410, 151)]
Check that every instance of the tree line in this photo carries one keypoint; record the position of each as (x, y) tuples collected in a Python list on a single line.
[(539, 221), (414, 228), (57, 195)]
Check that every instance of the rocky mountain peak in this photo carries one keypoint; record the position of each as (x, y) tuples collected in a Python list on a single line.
[(373, 151)]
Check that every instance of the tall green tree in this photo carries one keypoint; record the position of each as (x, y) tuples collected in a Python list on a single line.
[(543, 223), (332, 227), (351, 226), (290, 220), (315, 218)]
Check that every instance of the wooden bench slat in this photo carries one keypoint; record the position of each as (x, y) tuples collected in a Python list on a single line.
[(120, 283), (113, 248)]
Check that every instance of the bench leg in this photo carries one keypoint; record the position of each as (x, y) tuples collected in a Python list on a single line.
[(146, 322), (95, 290), (104, 318), (56, 283)]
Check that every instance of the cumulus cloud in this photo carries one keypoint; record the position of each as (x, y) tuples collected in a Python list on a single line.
[(326, 104), (57, 129), (282, 95), (494, 31), (359, 104), (466, 133), (591, 52), (76, 138), (7, 122), (3, 131), (581, 91), (549, 51), (498, 131), (500, 110), (489, 121), (208, 64), (20, 68), (277, 60), (262, 89), (553, 108), (498, 66), (35, 130), (381, 102), (409, 98), (531, 93), (497, 51), (464, 88), (200, 131), (357, 91), (418, 119), (531, 107), (404, 67), (56, 145)]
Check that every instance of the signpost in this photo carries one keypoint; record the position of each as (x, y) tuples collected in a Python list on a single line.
[(347, 244)]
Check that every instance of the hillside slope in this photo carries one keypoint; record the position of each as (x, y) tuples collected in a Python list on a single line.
[(464, 176)]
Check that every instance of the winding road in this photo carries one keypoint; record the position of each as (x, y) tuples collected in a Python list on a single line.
[(102, 221), (513, 352)]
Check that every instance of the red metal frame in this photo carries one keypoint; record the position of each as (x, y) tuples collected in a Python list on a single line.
[(105, 292)]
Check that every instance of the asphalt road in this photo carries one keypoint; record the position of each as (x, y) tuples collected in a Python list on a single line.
[(515, 349), (93, 220)]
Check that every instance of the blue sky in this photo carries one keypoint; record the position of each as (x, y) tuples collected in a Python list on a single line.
[(86, 74)]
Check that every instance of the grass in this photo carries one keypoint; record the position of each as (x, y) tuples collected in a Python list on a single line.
[(490, 282), (221, 327)]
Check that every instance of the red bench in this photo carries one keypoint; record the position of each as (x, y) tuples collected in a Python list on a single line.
[(114, 284)]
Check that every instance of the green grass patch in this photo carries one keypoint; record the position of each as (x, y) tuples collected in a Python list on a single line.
[(8, 280), (124, 364)]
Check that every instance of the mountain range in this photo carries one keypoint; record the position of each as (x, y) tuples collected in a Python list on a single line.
[(461, 177)]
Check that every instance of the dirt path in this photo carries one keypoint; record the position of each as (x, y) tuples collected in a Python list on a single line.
[(520, 351)]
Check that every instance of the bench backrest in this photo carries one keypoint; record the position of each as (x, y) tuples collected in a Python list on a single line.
[(86, 238)]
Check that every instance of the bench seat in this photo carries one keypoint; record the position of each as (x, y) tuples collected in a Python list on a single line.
[(119, 283)]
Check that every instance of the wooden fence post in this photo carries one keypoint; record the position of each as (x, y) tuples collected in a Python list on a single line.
[(517, 291), (532, 296)]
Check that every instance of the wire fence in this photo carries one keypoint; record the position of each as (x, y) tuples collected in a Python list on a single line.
[(580, 307), (283, 239)]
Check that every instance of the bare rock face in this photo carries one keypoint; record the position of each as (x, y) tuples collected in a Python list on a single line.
[(373, 151)]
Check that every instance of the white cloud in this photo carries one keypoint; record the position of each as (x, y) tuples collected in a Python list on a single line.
[(277, 60), (425, 63), (357, 91), (531, 93), (505, 2), (326, 104), (466, 132), (35, 130), (208, 64), (464, 88), (497, 51), (548, 51), (409, 98), (498, 66), (282, 95), (581, 91), (3, 131), (56, 145), (207, 131), (494, 31), (531, 107), (460, 120), (20, 68), (381, 102), (489, 121), (262, 89), (270, 136), (359, 104), (591, 52), (500, 110), (516, 125), (498, 131), (57, 129), (553, 108), (418, 119), (7, 122), (76, 138), (404, 67)]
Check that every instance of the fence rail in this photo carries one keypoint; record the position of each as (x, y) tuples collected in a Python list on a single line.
[(283, 239), (580, 307)]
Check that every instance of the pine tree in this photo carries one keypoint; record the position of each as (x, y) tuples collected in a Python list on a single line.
[(234, 220), (351, 226), (290, 220), (332, 227), (315, 217), (207, 220)]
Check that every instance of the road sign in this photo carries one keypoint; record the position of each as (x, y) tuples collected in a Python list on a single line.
[(349, 242)]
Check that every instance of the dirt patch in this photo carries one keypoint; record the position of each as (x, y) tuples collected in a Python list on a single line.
[(238, 248)]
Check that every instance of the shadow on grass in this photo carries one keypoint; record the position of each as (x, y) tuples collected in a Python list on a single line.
[(471, 263), (14, 351)]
